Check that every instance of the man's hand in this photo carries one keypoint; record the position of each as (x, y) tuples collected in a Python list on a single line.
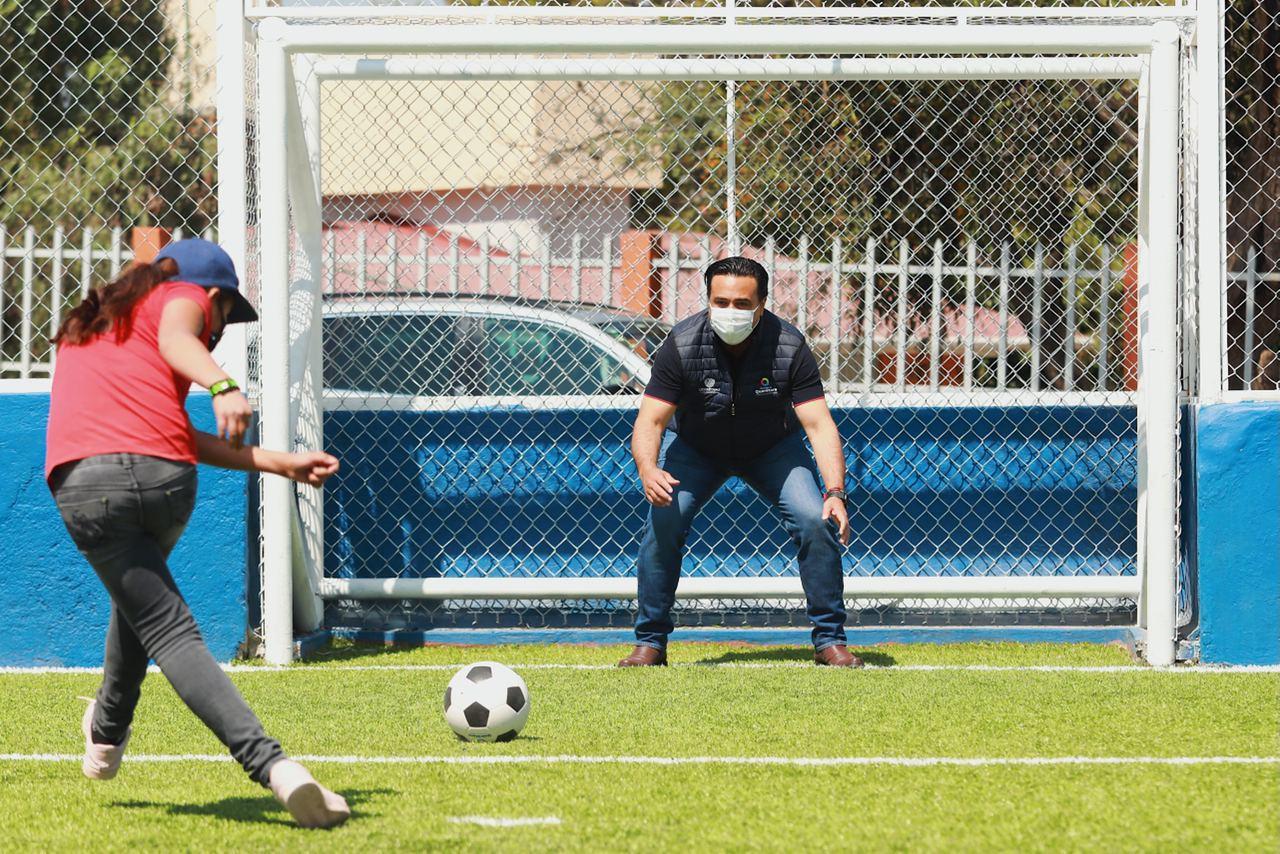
[(659, 486), (312, 468), (833, 508), (646, 440)]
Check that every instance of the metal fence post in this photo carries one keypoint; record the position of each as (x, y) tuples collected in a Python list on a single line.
[(25, 335), (1159, 383), (1210, 119), (1002, 364), (86, 262), (837, 299), (1069, 340), (277, 493), (970, 298), (306, 413), (868, 316), (935, 319), (55, 287), (232, 160), (900, 381)]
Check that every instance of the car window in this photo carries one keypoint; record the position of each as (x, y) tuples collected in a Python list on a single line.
[(653, 334), (525, 357), (642, 337), (391, 354)]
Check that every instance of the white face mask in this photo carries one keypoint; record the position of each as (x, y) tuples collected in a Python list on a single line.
[(733, 325)]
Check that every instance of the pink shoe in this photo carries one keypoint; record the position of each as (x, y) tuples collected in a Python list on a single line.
[(310, 804), (101, 761)]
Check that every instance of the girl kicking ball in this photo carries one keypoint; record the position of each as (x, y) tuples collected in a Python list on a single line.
[(121, 463)]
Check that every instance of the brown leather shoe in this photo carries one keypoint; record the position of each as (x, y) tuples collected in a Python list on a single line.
[(645, 656), (836, 655)]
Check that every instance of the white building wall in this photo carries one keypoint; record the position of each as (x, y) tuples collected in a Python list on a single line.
[(530, 217)]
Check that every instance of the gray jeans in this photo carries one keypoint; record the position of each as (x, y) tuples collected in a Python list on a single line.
[(125, 512)]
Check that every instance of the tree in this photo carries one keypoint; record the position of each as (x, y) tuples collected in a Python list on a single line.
[(1019, 163), (89, 130)]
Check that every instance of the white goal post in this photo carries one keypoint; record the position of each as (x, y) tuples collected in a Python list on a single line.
[(289, 200)]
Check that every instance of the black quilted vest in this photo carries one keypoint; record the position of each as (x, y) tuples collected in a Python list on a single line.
[(735, 417)]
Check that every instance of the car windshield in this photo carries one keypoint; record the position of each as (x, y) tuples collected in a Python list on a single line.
[(643, 337), (524, 357), (430, 355), (410, 354)]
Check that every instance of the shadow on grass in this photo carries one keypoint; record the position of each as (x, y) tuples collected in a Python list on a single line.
[(377, 653), (258, 810), (796, 654), (366, 653), (348, 651)]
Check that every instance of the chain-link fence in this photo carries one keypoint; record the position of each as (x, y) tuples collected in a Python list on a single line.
[(500, 258), (106, 125), (1252, 215)]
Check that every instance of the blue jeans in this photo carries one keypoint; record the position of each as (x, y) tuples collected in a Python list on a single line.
[(786, 477)]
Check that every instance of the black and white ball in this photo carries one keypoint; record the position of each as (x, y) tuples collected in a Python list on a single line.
[(486, 701)]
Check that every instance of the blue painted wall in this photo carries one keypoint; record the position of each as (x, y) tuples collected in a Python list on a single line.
[(945, 491), (1057, 484), (1238, 486), (54, 610)]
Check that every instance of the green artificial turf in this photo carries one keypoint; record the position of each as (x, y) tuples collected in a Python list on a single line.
[(775, 710)]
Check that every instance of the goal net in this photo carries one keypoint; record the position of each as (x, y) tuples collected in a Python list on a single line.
[(474, 226)]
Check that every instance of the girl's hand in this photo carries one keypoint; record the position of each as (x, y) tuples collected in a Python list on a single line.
[(233, 412), (312, 467)]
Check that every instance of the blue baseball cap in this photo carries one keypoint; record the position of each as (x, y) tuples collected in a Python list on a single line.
[(202, 262)]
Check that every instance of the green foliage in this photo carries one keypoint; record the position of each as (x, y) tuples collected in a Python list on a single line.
[(1019, 161), (90, 129), (1023, 162)]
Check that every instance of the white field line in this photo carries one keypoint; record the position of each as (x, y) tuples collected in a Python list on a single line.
[(554, 759), (488, 821), (726, 665)]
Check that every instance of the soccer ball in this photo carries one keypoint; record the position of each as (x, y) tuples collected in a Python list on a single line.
[(486, 701)]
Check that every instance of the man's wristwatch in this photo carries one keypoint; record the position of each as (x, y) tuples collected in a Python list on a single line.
[(223, 386), (835, 492)]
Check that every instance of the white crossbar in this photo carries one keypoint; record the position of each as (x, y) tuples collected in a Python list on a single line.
[(836, 68), (747, 39), (958, 15)]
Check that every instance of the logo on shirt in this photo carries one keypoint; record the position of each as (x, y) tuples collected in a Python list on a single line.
[(709, 386), (766, 388)]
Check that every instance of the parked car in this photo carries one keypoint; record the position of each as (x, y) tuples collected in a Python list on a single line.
[(433, 347), (642, 334)]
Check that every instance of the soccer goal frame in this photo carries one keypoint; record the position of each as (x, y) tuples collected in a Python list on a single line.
[(288, 187)]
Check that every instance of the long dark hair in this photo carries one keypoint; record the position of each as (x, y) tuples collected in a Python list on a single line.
[(112, 304)]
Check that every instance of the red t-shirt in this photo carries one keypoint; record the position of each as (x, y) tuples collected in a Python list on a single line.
[(116, 397)]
